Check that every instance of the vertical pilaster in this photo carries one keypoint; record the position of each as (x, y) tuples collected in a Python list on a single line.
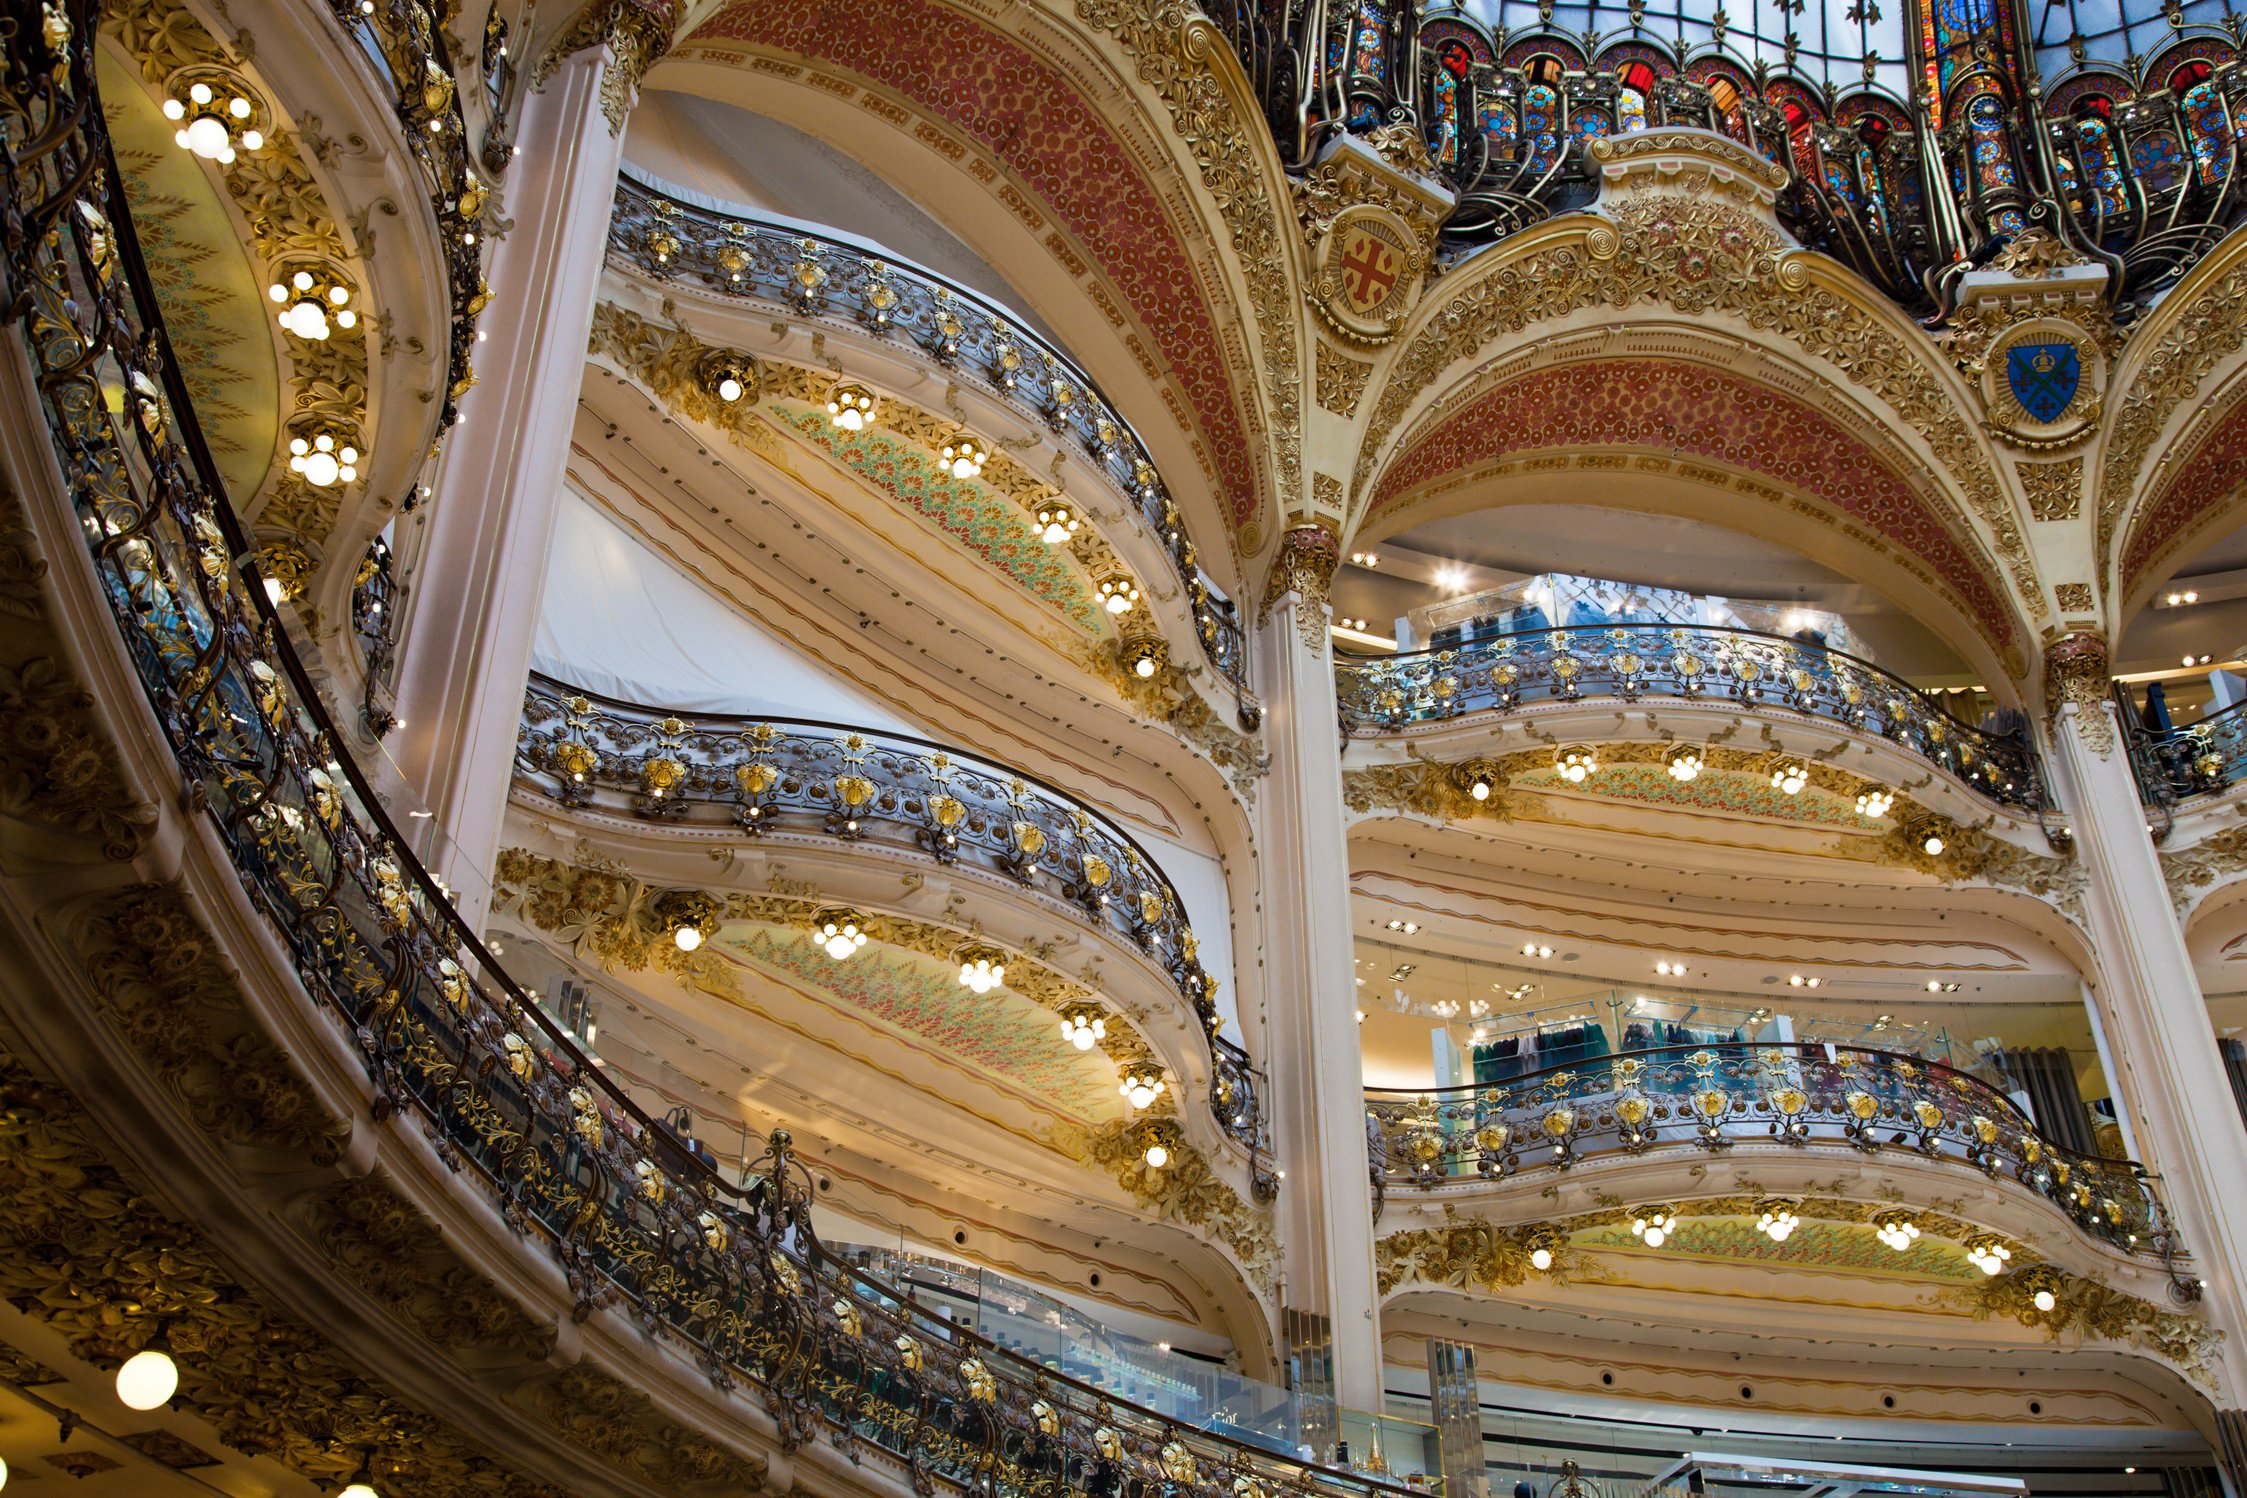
[(473, 610), (1318, 1080), (2147, 999)]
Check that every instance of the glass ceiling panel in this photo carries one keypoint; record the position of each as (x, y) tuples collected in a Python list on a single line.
[(2122, 32), (1832, 37)]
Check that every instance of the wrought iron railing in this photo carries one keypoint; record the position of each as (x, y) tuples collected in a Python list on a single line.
[(804, 272), (735, 1278), (1681, 662), (2200, 759), (885, 789), (1803, 1095), (374, 623)]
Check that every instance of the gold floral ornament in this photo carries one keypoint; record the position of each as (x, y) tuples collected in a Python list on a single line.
[(390, 890), (1862, 1105), (784, 1275), (1046, 1418), (1177, 1462), (1559, 1121), (521, 1060), (716, 1236), (662, 775), (585, 1117), (981, 1386), (909, 1354), (846, 1316), (327, 805), (1109, 1444), (452, 982), (1712, 1103), (1492, 1138), (648, 1181), (1929, 1116), (576, 761)]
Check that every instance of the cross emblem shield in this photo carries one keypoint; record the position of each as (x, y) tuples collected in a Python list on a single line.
[(2043, 378)]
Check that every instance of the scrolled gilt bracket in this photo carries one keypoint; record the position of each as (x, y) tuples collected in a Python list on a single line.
[(637, 33), (1308, 555), (2076, 674)]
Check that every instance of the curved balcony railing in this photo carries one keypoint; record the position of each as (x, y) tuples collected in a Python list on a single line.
[(374, 623), (1807, 1096), (735, 1277), (1680, 662), (2202, 759), (857, 785), (803, 271)]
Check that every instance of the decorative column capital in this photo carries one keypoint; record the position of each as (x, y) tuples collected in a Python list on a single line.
[(2076, 674), (637, 33), (1308, 555)]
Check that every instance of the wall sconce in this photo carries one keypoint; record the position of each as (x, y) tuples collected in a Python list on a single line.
[(1544, 1244), (965, 456), (730, 376), (212, 126), (1874, 801), (2043, 1285), (839, 932), (1789, 777), (849, 406), (1987, 1253), (323, 458), (1930, 835), (1576, 763), (691, 917), (1897, 1229), (1480, 777), (982, 968), (1144, 657), (306, 296), (1056, 522), (1083, 1026), (1159, 1142), (1776, 1218), (1685, 762), (1142, 1084), (1654, 1225), (1119, 593)]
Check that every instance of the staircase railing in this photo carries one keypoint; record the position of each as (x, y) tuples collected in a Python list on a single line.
[(732, 1277)]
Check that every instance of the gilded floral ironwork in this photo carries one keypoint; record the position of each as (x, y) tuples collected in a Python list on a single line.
[(1712, 1097), (1681, 663)]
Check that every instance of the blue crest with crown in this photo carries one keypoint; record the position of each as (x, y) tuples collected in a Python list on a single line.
[(2043, 378)]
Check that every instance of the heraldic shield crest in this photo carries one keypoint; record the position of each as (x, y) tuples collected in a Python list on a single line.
[(2043, 378)]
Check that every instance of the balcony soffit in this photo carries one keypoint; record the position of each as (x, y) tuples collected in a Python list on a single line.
[(1058, 137)]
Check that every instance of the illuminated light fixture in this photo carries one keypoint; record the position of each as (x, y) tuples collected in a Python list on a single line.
[(149, 1377), (1685, 762), (1776, 1218), (1361, 1016), (1158, 1141), (691, 917), (966, 457), (1364, 559), (1797, 980), (1654, 1225), (1535, 949), (1669, 969), (839, 933), (2042, 1282), (2177, 600), (1789, 777), (1897, 1229), (1451, 579), (1987, 1254), (305, 301), (1874, 801), (1083, 1026), (1409, 928), (1118, 593), (850, 406), (322, 460), (1480, 777), (1937, 985), (1142, 1085), (982, 968), (729, 376), (1576, 763), (1056, 522), (1543, 1242), (2197, 660), (209, 128), (1931, 843), (1146, 656)]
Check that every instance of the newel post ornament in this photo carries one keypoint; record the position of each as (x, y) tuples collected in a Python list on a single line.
[(2076, 675)]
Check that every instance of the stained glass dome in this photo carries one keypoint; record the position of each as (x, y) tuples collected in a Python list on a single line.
[(2121, 33), (1845, 42)]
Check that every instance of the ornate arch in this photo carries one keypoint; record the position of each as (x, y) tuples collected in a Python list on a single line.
[(1678, 422), (1685, 223), (1036, 119)]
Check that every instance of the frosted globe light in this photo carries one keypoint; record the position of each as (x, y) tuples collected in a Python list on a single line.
[(1655, 1237), (307, 319), (687, 938), (2046, 1300), (1480, 790), (359, 1490), (1933, 845), (729, 390), (207, 137), (321, 469), (148, 1379), (1540, 1258), (1146, 667), (1157, 1156)]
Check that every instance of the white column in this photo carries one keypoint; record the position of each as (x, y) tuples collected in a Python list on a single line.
[(1317, 1075), (2148, 1002), (472, 610)]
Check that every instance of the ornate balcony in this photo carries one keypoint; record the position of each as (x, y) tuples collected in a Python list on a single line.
[(2205, 759), (1518, 672), (858, 786), (1839, 1101), (801, 273), (734, 1280)]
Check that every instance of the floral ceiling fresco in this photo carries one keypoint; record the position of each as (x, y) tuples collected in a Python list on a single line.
[(214, 308), (1723, 792), (999, 1034), (991, 528)]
